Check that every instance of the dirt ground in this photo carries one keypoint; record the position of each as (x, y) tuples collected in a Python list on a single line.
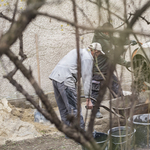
[(49, 142), (49, 137)]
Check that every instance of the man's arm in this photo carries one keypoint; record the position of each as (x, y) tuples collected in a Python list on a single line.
[(86, 72), (89, 104), (123, 62)]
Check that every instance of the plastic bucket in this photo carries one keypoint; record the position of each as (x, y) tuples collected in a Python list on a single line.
[(122, 137), (142, 125), (101, 139)]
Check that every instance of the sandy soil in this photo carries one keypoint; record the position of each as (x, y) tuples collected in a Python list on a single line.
[(50, 142)]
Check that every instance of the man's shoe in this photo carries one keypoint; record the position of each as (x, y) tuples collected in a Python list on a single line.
[(99, 115)]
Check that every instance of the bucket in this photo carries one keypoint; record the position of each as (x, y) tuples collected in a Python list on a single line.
[(101, 139), (122, 137), (141, 123)]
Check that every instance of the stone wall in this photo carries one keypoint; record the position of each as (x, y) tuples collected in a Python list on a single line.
[(53, 39)]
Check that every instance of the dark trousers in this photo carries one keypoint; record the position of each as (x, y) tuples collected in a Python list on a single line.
[(115, 88), (66, 98)]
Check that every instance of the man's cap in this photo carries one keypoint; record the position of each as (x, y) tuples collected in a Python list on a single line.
[(96, 46)]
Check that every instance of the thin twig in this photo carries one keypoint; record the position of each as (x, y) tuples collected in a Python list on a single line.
[(21, 53), (127, 31), (148, 22), (14, 14), (5, 17), (138, 13)]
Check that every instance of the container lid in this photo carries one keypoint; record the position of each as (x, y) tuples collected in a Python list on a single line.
[(141, 119)]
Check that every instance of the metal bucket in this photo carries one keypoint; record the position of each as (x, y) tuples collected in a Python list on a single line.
[(142, 125), (122, 137), (101, 139)]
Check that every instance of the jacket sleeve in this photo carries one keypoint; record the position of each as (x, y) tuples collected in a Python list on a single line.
[(86, 73), (122, 61), (117, 41)]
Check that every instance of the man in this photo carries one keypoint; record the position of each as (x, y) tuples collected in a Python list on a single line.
[(100, 68), (64, 78)]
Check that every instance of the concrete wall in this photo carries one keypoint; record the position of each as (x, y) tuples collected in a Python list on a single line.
[(55, 39)]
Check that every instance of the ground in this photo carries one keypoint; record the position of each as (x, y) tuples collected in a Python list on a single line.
[(49, 142), (15, 136), (18, 131), (49, 139)]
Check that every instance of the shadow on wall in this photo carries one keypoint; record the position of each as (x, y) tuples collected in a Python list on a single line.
[(23, 103)]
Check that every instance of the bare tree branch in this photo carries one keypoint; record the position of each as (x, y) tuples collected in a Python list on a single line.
[(28, 97), (21, 53), (148, 22), (124, 22), (79, 63), (16, 31), (14, 14), (139, 13), (28, 75), (5, 17), (18, 27), (128, 31)]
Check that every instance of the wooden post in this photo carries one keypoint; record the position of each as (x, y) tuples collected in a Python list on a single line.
[(38, 64)]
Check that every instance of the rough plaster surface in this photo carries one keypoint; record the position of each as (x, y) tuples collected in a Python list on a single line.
[(55, 39)]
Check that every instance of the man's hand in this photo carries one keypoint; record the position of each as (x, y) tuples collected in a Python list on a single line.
[(89, 104), (133, 42), (128, 64)]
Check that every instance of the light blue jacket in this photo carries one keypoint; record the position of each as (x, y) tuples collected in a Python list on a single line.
[(66, 70)]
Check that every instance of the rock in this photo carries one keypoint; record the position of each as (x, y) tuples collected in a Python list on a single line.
[(12, 128)]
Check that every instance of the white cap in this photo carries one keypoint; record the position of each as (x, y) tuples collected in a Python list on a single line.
[(96, 46)]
